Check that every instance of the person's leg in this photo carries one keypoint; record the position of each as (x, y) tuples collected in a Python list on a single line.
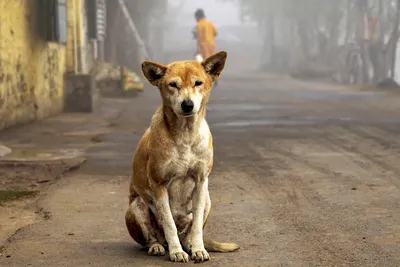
[(203, 51), (211, 52)]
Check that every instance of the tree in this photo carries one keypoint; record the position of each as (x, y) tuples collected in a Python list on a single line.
[(320, 31)]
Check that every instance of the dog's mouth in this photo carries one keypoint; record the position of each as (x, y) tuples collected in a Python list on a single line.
[(188, 115)]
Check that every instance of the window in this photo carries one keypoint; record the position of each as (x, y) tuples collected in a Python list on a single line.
[(60, 21), (96, 18), (53, 20)]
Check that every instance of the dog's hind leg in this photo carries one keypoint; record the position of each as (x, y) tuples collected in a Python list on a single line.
[(143, 228), (207, 210)]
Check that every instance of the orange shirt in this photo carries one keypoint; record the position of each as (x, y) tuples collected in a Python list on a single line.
[(206, 32)]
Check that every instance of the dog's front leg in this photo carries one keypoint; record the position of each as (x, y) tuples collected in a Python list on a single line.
[(176, 252), (200, 196)]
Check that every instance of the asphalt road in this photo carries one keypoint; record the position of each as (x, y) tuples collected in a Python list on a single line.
[(305, 174)]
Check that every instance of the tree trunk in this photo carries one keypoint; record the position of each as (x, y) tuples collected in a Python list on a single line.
[(376, 51), (303, 34), (267, 60), (271, 31), (381, 30), (348, 23), (330, 43), (395, 38), (362, 7)]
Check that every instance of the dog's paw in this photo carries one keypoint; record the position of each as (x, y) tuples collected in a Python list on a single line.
[(200, 256), (179, 256), (156, 250)]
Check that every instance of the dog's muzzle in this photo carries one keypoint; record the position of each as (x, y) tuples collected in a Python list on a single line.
[(187, 107)]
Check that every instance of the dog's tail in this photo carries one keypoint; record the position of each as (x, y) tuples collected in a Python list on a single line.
[(214, 246)]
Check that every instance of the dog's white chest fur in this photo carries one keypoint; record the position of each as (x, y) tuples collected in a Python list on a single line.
[(190, 160), (191, 153)]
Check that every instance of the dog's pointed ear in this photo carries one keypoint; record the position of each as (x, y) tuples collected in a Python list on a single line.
[(153, 71), (215, 64)]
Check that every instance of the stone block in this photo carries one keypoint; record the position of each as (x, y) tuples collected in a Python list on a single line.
[(81, 94)]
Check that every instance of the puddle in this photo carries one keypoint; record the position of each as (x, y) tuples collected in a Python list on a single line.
[(118, 137), (298, 121), (263, 123), (283, 122), (334, 95), (99, 153), (110, 152), (246, 107), (33, 154), (89, 127)]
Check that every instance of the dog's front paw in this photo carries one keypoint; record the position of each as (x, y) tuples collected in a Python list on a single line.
[(156, 250), (179, 256), (200, 256)]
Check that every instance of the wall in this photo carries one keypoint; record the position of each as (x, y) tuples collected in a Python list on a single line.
[(87, 50), (31, 69), (79, 48), (72, 43)]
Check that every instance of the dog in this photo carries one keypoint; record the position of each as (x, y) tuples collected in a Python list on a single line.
[(169, 201)]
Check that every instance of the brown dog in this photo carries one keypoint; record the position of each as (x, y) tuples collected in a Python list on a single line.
[(169, 199)]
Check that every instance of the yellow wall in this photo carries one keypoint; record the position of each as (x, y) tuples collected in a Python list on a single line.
[(75, 44), (31, 69), (71, 60)]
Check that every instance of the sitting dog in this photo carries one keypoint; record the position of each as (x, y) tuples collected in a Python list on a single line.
[(169, 201)]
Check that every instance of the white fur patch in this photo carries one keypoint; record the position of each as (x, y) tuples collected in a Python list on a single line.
[(200, 198), (190, 149), (178, 97)]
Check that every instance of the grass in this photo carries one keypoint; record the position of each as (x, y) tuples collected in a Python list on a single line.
[(8, 195)]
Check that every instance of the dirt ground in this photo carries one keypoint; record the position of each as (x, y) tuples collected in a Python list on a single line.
[(20, 183), (305, 174)]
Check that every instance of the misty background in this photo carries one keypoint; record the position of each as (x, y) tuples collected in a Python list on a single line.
[(342, 41), (241, 39)]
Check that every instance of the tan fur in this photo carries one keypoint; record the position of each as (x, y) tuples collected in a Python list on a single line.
[(169, 200)]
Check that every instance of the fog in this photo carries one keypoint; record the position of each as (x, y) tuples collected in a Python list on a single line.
[(342, 41), (219, 12), (242, 40)]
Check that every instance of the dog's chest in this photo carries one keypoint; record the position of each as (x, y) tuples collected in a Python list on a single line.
[(189, 156)]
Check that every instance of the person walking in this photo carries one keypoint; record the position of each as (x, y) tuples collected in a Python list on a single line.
[(204, 33)]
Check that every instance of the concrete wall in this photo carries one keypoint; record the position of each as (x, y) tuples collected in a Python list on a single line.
[(73, 33), (87, 50), (31, 69)]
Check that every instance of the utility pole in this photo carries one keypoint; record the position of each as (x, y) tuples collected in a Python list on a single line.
[(134, 30), (396, 40)]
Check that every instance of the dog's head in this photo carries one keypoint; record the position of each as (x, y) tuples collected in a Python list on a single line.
[(185, 85)]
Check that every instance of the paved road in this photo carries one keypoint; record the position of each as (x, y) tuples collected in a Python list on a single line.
[(305, 175)]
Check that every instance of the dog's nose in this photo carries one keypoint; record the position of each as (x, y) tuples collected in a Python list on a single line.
[(187, 106)]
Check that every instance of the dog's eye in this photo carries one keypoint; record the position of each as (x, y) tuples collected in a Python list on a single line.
[(198, 83), (173, 84)]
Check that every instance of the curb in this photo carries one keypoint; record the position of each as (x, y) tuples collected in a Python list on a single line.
[(4, 151), (22, 156)]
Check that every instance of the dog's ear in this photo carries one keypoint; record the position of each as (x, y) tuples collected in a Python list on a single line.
[(153, 71), (215, 64)]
